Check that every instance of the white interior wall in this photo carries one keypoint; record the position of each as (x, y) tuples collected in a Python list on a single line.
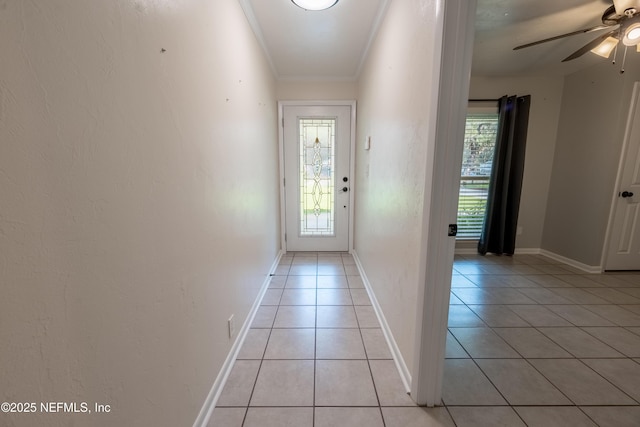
[(394, 96), (138, 209), (594, 110), (316, 90), (546, 98)]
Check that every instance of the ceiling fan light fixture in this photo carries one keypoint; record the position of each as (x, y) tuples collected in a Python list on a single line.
[(605, 48), (632, 35), (622, 6), (314, 4)]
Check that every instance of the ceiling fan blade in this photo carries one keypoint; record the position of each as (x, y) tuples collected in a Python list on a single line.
[(561, 36), (587, 47)]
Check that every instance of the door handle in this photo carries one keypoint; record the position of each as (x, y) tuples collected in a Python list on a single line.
[(625, 194)]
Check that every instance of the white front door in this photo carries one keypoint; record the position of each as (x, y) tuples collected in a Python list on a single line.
[(317, 181), (624, 241)]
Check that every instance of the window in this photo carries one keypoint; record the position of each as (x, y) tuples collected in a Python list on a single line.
[(477, 160)]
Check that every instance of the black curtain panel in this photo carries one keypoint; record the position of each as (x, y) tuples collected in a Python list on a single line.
[(503, 200)]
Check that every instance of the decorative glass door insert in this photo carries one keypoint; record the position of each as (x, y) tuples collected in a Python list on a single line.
[(317, 178)]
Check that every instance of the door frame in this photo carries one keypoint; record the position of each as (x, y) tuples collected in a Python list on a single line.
[(352, 155), (621, 164), (454, 25)]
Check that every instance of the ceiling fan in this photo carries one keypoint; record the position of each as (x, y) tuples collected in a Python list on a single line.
[(622, 19)]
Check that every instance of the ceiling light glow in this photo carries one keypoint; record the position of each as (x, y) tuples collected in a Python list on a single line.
[(314, 4), (632, 35)]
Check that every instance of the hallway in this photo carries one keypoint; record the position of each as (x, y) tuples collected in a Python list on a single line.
[(316, 356), (531, 343)]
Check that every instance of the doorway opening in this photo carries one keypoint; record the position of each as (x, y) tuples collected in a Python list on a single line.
[(316, 168)]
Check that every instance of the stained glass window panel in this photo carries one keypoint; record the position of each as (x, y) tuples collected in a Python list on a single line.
[(317, 181)]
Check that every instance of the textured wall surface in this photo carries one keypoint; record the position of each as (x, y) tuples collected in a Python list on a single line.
[(595, 106), (393, 109), (138, 202)]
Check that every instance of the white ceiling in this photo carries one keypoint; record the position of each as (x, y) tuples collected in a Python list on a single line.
[(328, 45), (502, 25), (331, 44)]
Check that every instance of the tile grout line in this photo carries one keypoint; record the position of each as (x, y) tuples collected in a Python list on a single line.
[(315, 352), (255, 382)]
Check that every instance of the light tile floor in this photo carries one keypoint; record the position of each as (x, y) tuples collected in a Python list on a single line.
[(531, 342)]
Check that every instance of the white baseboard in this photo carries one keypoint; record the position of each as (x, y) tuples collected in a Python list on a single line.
[(405, 375), (212, 398), (473, 250), (593, 269), (528, 251)]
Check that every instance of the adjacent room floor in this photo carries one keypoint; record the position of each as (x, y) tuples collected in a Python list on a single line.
[(531, 342)]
